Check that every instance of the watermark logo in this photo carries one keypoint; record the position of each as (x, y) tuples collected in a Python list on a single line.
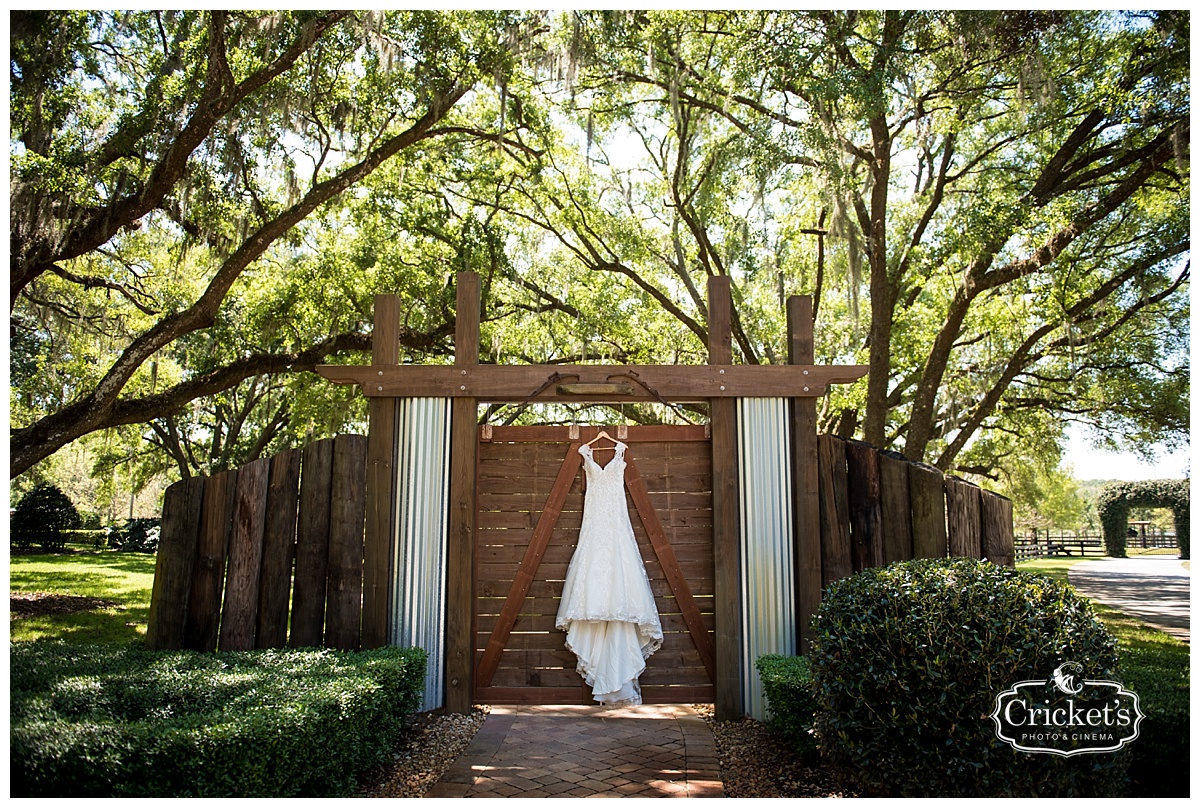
[(1067, 714)]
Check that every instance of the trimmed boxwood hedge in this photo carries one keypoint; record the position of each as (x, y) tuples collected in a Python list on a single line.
[(791, 702), (907, 661), (93, 721)]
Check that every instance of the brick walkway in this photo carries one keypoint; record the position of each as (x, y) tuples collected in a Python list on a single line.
[(656, 750)]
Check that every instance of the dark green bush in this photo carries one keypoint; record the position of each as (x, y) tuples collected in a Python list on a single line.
[(908, 659), (137, 536), (42, 517), (99, 721), (791, 701)]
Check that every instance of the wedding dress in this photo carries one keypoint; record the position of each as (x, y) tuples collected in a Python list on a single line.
[(607, 608)]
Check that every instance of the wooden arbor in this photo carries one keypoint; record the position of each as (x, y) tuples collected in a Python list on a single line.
[(467, 383)]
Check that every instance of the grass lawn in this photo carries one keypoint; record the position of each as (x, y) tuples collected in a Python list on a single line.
[(123, 581)]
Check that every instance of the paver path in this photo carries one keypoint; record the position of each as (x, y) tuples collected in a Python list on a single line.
[(1155, 589), (575, 751)]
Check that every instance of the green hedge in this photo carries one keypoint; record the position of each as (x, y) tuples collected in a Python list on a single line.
[(1115, 500), (1160, 758), (788, 686), (93, 721), (907, 661)]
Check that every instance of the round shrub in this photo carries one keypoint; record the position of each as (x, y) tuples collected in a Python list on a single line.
[(907, 661), (42, 517)]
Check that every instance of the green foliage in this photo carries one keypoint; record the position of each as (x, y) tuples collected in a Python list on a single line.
[(1114, 501), (791, 702), (42, 517), (103, 721), (137, 535), (908, 659)]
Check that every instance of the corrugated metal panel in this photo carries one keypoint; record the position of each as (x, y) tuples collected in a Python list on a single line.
[(768, 612), (419, 584)]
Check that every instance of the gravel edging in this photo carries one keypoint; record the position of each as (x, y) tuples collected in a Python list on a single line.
[(430, 743), (754, 761)]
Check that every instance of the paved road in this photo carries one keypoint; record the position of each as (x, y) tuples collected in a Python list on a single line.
[(1156, 589)]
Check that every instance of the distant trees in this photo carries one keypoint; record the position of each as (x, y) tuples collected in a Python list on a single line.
[(991, 207)]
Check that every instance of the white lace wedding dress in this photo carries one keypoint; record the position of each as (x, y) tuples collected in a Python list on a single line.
[(607, 608)]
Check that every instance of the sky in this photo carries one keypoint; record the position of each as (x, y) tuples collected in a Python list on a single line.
[(1096, 464)]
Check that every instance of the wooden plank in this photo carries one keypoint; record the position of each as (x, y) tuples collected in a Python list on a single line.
[(723, 415), (312, 545), (927, 501), (460, 550), (672, 382), (381, 480), (531, 558), (962, 518), (175, 564), (666, 557), (279, 549), (996, 528), (896, 513), (866, 512), (239, 615), (347, 518), (562, 434), (836, 560), (806, 502), (208, 580), (653, 694)]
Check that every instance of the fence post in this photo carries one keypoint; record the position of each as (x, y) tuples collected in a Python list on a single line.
[(996, 525), (279, 547), (343, 609), (806, 505), (381, 480), (178, 538), (836, 560), (312, 545), (239, 615), (926, 491), (862, 485), (208, 580), (962, 518), (896, 508)]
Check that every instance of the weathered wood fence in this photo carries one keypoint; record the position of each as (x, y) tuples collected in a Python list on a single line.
[(272, 554), (878, 507), (245, 555)]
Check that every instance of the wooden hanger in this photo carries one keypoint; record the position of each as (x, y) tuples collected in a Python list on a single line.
[(603, 434)]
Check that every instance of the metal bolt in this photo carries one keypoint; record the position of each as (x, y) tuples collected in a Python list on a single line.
[(806, 373), (806, 389), (722, 387), (462, 387), (380, 388), (722, 370), (464, 373), (381, 373)]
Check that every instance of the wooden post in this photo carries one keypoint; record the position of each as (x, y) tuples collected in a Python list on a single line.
[(312, 546), (896, 511), (862, 478), (806, 503), (727, 581), (239, 615), (962, 518), (208, 581), (347, 514), (460, 549), (381, 481), (835, 510), (996, 528), (174, 565), (279, 548), (927, 496)]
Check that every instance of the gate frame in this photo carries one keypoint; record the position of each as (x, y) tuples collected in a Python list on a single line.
[(468, 383)]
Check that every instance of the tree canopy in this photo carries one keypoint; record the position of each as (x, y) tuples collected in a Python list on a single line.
[(991, 208)]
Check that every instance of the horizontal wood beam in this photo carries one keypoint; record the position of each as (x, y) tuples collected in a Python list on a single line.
[(520, 382)]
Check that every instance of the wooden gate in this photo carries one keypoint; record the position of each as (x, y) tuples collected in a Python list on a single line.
[(529, 511)]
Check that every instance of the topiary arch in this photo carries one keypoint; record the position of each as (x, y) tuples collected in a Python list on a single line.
[(1116, 499)]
